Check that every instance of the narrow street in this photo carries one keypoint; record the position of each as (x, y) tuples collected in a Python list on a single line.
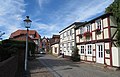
[(60, 67)]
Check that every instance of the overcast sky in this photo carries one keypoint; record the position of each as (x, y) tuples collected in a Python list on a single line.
[(48, 16)]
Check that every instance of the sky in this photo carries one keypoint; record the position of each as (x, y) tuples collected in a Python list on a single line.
[(48, 16)]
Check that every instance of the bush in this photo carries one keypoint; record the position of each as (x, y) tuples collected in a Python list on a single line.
[(75, 56)]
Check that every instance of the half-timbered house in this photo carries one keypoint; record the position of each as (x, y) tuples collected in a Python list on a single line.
[(96, 40)]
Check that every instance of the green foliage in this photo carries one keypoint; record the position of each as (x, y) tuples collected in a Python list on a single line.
[(20, 44), (115, 9), (0, 42), (11, 47), (75, 56)]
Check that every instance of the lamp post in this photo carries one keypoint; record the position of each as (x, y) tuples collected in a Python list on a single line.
[(27, 23)]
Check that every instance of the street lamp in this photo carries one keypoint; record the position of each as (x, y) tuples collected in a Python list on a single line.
[(27, 23)]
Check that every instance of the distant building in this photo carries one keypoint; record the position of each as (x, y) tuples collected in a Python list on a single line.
[(45, 44), (67, 39), (55, 47), (32, 36)]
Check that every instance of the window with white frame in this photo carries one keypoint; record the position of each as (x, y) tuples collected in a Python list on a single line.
[(82, 49), (89, 49), (68, 33), (88, 28), (72, 30), (67, 46), (70, 44), (64, 34), (81, 30), (55, 49), (62, 47), (99, 24)]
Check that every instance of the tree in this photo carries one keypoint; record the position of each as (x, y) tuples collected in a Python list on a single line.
[(75, 56), (115, 9)]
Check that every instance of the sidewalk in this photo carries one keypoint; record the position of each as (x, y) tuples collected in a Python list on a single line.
[(36, 69)]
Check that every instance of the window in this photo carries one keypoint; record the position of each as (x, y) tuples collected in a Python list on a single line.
[(81, 30), (70, 44), (82, 49), (67, 46), (100, 49), (70, 31), (98, 24), (64, 35), (89, 49), (62, 46), (88, 28), (55, 49)]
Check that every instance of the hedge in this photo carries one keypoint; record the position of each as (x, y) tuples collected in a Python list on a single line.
[(9, 47)]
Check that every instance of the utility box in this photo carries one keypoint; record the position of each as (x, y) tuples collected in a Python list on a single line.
[(116, 56)]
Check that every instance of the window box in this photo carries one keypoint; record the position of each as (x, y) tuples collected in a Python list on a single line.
[(98, 31), (87, 34), (80, 35)]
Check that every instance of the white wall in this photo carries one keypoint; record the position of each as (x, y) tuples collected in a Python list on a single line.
[(53, 49), (69, 38)]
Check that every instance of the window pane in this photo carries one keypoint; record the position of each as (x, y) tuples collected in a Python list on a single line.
[(101, 54), (88, 49), (90, 52), (98, 24), (101, 48), (83, 49)]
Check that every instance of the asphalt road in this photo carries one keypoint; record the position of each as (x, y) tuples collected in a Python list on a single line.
[(63, 68)]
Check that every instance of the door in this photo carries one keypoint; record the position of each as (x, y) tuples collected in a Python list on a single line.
[(100, 53)]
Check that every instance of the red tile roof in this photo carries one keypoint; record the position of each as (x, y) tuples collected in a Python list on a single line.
[(22, 32), (22, 38)]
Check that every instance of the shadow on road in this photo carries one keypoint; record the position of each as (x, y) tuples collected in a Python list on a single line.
[(58, 62)]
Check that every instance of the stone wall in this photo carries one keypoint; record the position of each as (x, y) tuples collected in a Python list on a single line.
[(13, 66), (8, 67)]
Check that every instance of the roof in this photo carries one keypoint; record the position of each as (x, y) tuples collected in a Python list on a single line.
[(22, 38), (22, 32), (93, 20), (56, 36), (55, 43), (75, 23)]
